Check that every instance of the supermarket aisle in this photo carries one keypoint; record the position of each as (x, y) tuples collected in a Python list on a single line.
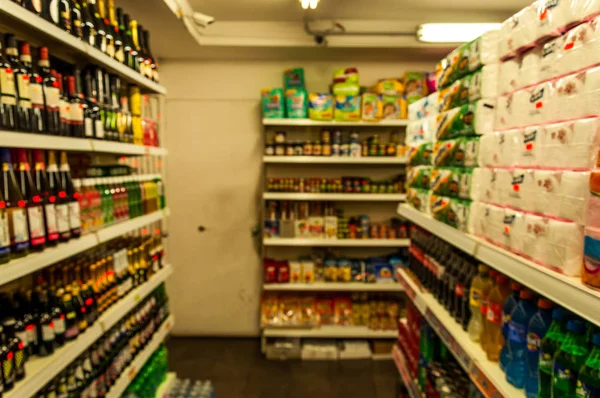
[(238, 369)]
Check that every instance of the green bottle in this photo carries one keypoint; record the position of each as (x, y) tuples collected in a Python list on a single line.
[(588, 383), (161, 192), (549, 345), (569, 359)]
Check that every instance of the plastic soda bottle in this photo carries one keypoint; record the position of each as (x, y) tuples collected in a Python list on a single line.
[(569, 359), (517, 338), (588, 383), (549, 345), (498, 295), (509, 305), (480, 288), (484, 338), (538, 326)]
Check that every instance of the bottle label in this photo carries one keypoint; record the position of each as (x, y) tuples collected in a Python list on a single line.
[(23, 86), (120, 55), (51, 224), (110, 48), (533, 342), (564, 380), (494, 313), (546, 360), (65, 110), (65, 18), (99, 129), (74, 215), (475, 297), (89, 127), (20, 361), (62, 218), (52, 97), (459, 290), (23, 337), (37, 95), (54, 15), (4, 233), (516, 333), (7, 86), (36, 225), (585, 390), (77, 28), (76, 113), (18, 227), (47, 333), (59, 325), (484, 304), (32, 336)]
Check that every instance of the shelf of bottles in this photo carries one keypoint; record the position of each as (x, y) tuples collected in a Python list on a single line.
[(409, 382), (89, 30)]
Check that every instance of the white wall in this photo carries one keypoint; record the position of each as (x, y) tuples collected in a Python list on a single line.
[(215, 289)]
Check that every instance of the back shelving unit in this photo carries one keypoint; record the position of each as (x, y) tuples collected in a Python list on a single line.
[(44, 374), (378, 206)]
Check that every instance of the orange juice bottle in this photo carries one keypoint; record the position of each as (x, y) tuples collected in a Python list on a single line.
[(493, 319)]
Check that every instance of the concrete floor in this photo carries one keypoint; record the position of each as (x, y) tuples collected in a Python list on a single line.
[(238, 369)]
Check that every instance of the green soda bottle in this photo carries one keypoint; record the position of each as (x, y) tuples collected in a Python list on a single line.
[(569, 359), (549, 345), (588, 383)]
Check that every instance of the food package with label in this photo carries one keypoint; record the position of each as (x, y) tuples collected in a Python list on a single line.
[(394, 107), (420, 155), (445, 181), (419, 177), (294, 78), (389, 86), (421, 131), (451, 211), (320, 106), (414, 86), (482, 84), (371, 107), (272, 101), (296, 103), (418, 198), (475, 118), (347, 108), (460, 152)]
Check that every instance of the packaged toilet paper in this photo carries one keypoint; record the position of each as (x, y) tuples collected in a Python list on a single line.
[(571, 145), (565, 247), (424, 107), (418, 198), (591, 99), (506, 113), (472, 119), (549, 65), (553, 16), (419, 177), (520, 192), (513, 230), (445, 181), (490, 154), (320, 106), (530, 68), (546, 192), (574, 55), (584, 9), (493, 223), (483, 50), (509, 78), (534, 104), (421, 155), (518, 32), (489, 184), (421, 131), (535, 237), (347, 108), (569, 98), (469, 184), (483, 84), (372, 107), (451, 211), (530, 147), (296, 103), (272, 103), (510, 147), (574, 195)]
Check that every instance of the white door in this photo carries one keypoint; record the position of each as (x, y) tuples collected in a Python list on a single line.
[(214, 183)]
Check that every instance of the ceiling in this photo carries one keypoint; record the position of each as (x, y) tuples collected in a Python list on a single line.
[(273, 29)]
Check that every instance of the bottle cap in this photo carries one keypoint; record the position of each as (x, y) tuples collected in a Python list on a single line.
[(525, 294), (544, 303), (575, 326), (596, 339), (11, 41), (25, 49), (43, 53)]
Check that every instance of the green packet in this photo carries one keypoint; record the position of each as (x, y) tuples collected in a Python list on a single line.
[(418, 198), (418, 177), (461, 152), (420, 155), (445, 181), (474, 118), (451, 211)]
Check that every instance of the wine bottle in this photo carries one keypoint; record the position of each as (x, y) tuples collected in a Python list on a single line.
[(16, 208), (127, 117), (114, 26), (8, 93), (132, 61), (4, 233), (101, 41), (71, 196), (45, 326), (152, 60), (96, 113), (23, 310), (21, 76), (60, 14), (71, 321), (114, 87), (135, 41), (76, 106), (7, 359), (51, 93), (88, 105), (58, 318), (48, 199), (34, 203), (77, 19), (62, 202), (89, 23), (36, 91), (110, 39), (65, 110), (144, 58)]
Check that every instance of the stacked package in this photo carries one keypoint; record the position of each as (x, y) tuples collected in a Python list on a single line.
[(446, 128)]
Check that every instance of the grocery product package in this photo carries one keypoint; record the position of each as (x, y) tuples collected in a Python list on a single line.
[(482, 84), (451, 211), (389, 86), (584, 9), (445, 181), (420, 155), (509, 76), (565, 247), (414, 86), (460, 152), (518, 192), (574, 195), (546, 196), (530, 68), (421, 131), (528, 147), (418, 198), (320, 106), (518, 31), (296, 103), (347, 88), (493, 223), (294, 78), (572, 145), (347, 108), (472, 119), (488, 183), (513, 230), (394, 107), (272, 103), (553, 18), (533, 105), (469, 185), (569, 97), (371, 107), (346, 75), (591, 260), (551, 52), (419, 177), (535, 237), (506, 113), (428, 106)]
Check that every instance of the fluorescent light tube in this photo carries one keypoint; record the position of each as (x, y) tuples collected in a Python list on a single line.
[(453, 32)]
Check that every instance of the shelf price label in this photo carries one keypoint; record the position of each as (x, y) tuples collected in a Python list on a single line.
[(463, 358), (132, 373), (483, 383)]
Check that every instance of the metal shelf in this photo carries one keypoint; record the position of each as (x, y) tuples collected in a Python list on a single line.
[(331, 332), (16, 17), (336, 242), (334, 287), (349, 197), (382, 160), (316, 123)]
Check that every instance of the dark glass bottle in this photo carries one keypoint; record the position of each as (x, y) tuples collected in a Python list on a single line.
[(79, 306), (110, 38), (51, 93), (40, 180), (135, 41), (4, 233), (145, 68), (15, 345), (89, 24), (15, 207), (34, 203), (8, 93), (18, 313), (113, 106), (62, 202), (58, 318), (21, 76), (65, 110), (60, 14), (76, 106), (23, 302), (101, 42), (45, 326), (116, 32), (71, 321), (77, 19), (130, 47), (36, 91), (88, 105), (7, 358), (151, 59), (71, 196)]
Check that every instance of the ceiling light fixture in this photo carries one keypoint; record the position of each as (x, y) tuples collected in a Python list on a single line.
[(453, 32), (306, 4)]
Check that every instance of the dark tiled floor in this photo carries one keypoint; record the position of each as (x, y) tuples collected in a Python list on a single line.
[(238, 369)]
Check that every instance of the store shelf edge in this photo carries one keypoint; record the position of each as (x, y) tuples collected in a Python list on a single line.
[(45, 29), (114, 231), (409, 383), (332, 332), (324, 123), (338, 287), (362, 197), (377, 160), (336, 242), (165, 386)]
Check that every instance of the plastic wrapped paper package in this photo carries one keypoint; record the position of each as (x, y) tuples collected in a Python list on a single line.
[(418, 198), (509, 78), (424, 107), (574, 195), (513, 230), (591, 99), (483, 84), (535, 237), (520, 191), (461, 152), (553, 17), (529, 72), (490, 154), (419, 177), (506, 113), (546, 192), (493, 217), (445, 181), (565, 247), (469, 184), (549, 65), (518, 31), (568, 98), (529, 146), (571, 145), (421, 155), (584, 9), (488, 184), (533, 105), (509, 147), (421, 131), (576, 44), (472, 119)]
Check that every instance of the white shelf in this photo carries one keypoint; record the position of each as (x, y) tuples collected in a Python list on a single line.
[(385, 160), (138, 362), (18, 18), (409, 382), (487, 375), (109, 318), (334, 287), (566, 291), (165, 386), (114, 231), (336, 242), (356, 197), (15, 139), (331, 332), (315, 123)]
